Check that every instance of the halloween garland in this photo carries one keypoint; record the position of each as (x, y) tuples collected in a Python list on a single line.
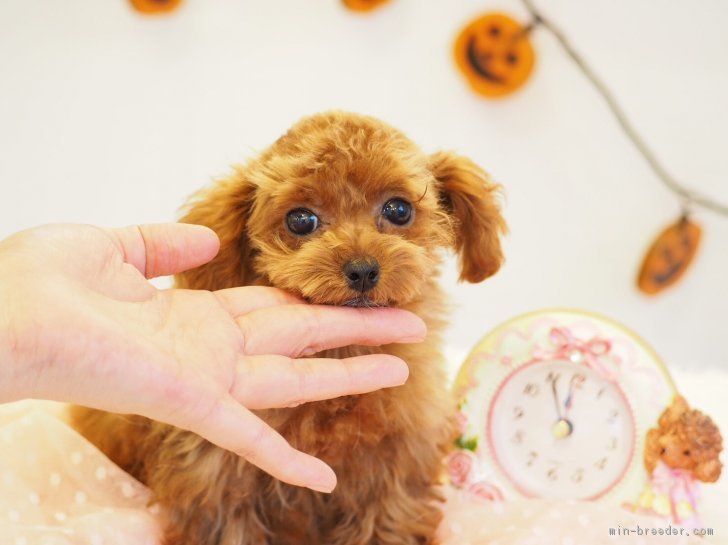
[(479, 52), (495, 55), (364, 5), (155, 7)]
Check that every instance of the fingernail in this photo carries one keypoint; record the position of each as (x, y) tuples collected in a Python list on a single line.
[(416, 339), (419, 334), (326, 489), (402, 375), (325, 480)]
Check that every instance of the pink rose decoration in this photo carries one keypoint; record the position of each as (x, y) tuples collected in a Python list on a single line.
[(459, 465), (485, 491)]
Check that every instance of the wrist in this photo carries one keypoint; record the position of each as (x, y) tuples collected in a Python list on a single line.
[(10, 374), (16, 368)]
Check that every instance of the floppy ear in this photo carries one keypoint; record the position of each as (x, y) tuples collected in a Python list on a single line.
[(224, 208), (652, 450), (709, 470), (709, 443), (469, 197)]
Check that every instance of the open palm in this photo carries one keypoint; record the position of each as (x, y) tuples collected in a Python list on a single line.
[(85, 326)]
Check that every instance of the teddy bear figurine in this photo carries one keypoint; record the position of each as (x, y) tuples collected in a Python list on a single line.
[(683, 449)]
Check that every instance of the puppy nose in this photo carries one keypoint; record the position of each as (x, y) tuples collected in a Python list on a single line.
[(362, 273)]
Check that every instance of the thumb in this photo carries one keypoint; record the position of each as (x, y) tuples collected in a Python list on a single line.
[(167, 248)]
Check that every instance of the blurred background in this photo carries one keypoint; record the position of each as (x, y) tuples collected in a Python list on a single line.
[(111, 117)]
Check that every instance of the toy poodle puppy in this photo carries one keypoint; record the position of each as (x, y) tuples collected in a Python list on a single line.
[(685, 439), (683, 449), (341, 210)]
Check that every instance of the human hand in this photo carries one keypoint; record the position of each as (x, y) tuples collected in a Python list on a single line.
[(80, 323)]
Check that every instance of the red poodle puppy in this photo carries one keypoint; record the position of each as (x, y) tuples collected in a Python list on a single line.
[(341, 210)]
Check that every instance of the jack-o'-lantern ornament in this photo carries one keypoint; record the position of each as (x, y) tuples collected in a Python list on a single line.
[(669, 256), (495, 54), (364, 5), (155, 6)]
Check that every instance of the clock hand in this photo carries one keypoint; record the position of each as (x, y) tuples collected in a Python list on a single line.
[(569, 398), (556, 397), (562, 428), (570, 395)]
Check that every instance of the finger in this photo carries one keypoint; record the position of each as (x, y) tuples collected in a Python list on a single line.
[(295, 330), (239, 301), (231, 426), (168, 248), (265, 382)]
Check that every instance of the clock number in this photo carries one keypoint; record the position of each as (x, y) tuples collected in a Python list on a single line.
[(517, 413), (599, 394), (552, 475), (531, 458), (518, 437), (599, 464), (612, 444), (552, 376), (613, 415), (578, 475), (531, 389)]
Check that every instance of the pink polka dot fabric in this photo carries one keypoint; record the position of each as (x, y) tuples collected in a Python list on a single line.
[(58, 489)]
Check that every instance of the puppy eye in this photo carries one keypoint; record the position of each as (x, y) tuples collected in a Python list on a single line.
[(397, 211), (686, 453), (302, 221)]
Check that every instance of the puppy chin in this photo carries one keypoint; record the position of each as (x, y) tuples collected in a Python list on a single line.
[(364, 301), (350, 300)]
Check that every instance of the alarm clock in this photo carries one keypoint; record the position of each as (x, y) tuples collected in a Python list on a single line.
[(556, 404)]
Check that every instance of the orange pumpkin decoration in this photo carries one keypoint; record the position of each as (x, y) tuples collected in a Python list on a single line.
[(364, 5), (495, 54), (669, 256), (155, 6)]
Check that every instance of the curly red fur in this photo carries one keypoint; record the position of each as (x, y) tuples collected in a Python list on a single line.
[(386, 446), (685, 439)]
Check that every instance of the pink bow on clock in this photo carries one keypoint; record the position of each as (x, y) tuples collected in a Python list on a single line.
[(590, 353)]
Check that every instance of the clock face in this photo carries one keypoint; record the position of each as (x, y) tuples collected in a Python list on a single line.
[(558, 429)]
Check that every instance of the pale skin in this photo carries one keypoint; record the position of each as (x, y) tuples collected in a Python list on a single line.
[(80, 323)]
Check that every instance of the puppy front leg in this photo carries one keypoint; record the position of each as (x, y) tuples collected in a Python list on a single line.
[(206, 525), (205, 493), (406, 519), (396, 515)]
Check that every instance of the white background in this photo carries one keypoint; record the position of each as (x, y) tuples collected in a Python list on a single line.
[(111, 118)]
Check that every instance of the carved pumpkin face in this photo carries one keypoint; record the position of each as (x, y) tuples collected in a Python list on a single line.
[(155, 6), (495, 55), (363, 5), (669, 257)]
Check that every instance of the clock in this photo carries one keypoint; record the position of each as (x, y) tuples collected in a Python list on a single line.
[(556, 404)]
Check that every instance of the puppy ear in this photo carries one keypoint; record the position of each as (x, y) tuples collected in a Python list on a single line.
[(652, 450), (469, 197), (708, 471), (224, 208)]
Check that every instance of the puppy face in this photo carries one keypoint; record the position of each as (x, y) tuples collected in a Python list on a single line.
[(345, 210), (685, 439)]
